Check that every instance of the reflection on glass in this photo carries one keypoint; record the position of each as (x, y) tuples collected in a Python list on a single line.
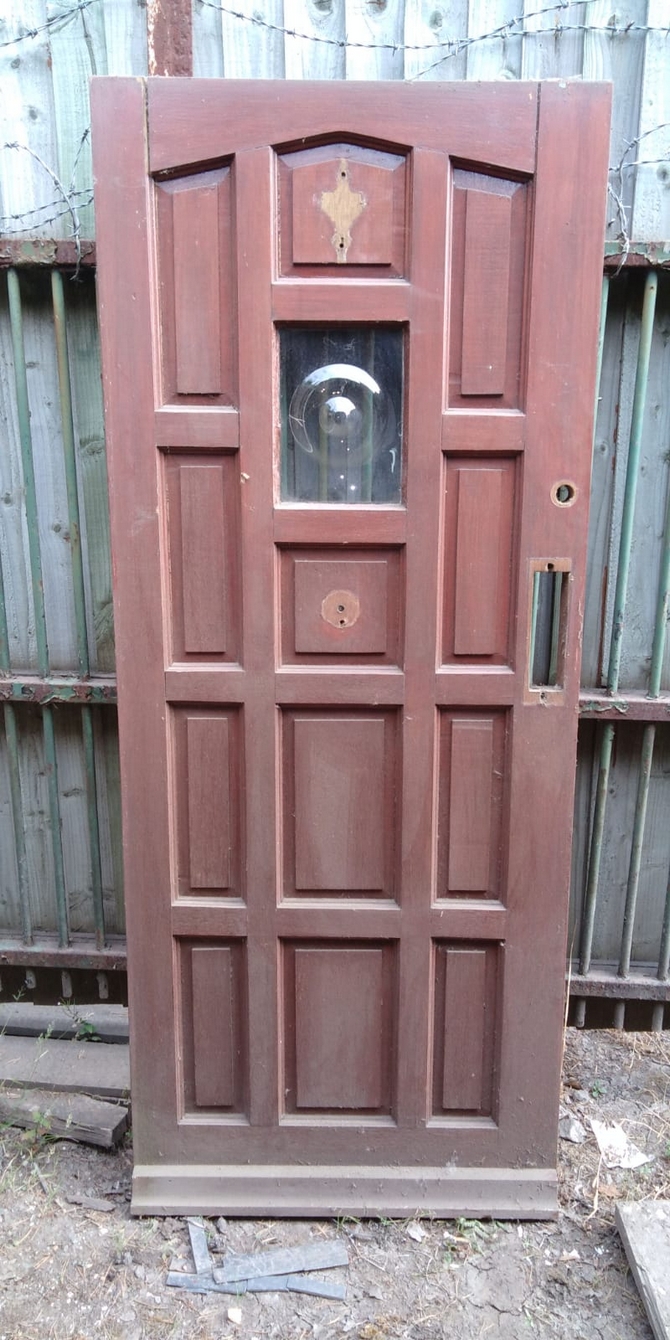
[(341, 415)]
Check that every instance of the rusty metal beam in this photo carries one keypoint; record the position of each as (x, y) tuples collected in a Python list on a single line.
[(605, 982), (170, 37), (62, 252), (28, 251), (639, 254), (58, 689), (601, 706), (80, 953)]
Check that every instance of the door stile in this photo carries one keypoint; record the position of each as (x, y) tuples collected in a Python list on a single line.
[(559, 423), (255, 221), (128, 355), (424, 477)]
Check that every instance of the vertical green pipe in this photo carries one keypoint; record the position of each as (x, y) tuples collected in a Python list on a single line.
[(11, 736), (16, 321), (632, 474), (657, 654), (649, 734), (605, 733), (4, 633), (662, 602), (93, 825), (664, 955), (79, 591), (632, 886), (595, 854), (27, 465), (70, 462), (54, 816)]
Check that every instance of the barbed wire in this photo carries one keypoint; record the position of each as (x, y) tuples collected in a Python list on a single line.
[(512, 27), (455, 44), (69, 200), (39, 209), (53, 22), (67, 195), (44, 223)]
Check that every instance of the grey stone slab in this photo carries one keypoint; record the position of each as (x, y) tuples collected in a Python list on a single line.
[(644, 1227), (285, 1261), (201, 1257)]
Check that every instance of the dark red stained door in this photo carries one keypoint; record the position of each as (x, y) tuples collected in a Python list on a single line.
[(349, 352)]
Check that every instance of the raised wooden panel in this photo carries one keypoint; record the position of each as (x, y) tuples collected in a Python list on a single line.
[(478, 551), (204, 564), (213, 1007), (465, 1029), (342, 207), (195, 269), (487, 291), (208, 781), (472, 760), (340, 798), (339, 604), (339, 1027)]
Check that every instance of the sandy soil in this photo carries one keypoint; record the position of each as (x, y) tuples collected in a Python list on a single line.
[(72, 1271)]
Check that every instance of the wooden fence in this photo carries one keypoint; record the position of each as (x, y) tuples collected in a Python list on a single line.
[(61, 902)]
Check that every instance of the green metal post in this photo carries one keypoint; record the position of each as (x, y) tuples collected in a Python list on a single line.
[(646, 757), (16, 321), (595, 854), (662, 602), (11, 736), (27, 465), (632, 474), (93, 825), (54, 816), (70, 461), (606, 737), (648, 739), (79, 591), (4, 633)]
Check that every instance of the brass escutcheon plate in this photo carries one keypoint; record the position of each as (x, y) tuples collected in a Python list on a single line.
[(340, 608)]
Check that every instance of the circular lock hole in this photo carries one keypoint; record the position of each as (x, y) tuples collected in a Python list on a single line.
[(340, 609), (564, 494)]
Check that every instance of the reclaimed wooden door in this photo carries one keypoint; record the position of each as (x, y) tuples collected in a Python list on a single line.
[(349, 347)]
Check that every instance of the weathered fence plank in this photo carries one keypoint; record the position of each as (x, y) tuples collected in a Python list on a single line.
[(325, 22), (45, 106)]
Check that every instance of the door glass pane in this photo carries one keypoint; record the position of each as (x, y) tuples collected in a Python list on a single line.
[(341, 414)]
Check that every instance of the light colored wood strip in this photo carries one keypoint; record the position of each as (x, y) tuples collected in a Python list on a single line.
[(187, 428)]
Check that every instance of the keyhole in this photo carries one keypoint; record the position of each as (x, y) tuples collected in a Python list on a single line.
[(340, 609)]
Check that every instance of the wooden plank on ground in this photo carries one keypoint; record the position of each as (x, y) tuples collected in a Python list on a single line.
[(98, 1023), (70, 1116), (644, 1227), (96, 1068)]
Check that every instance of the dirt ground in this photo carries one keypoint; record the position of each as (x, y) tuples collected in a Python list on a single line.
[(70, 1270)]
